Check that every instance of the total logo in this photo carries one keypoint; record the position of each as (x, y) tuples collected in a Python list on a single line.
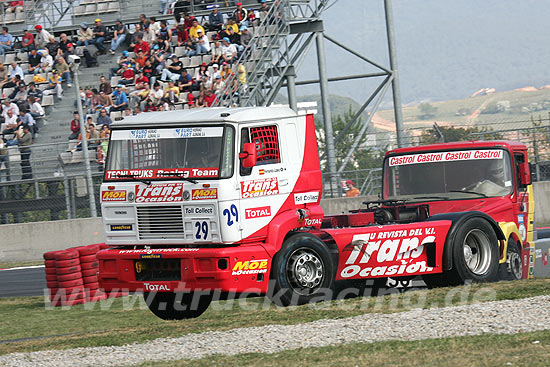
[(250, 267), (312, 222), (116, 195), (251, 213), (156, 287)]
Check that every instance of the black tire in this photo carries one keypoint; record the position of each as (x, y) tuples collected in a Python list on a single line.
[(177, 306), (512, 269), (302, 271), (480, 262)]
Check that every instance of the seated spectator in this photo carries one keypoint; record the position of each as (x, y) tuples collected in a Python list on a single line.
[(64, 42), (54, 85), (162, 44), (6, 41), (104, 101), (99, 34), (209, 98), (104, 118), (27, 120), (140, 59), (46, 62), (234, 38), (34, 62), (105, 86), (218, 85), (232, 24), (105, 133), (240, 15), (164, 32), (171, 93), (200, 73), (226, 71), (139, 96), (217, 53), (172, 71), (149, 35), (141, 80), (84, 35), (150, 106), (27, 41), (241, 75), (215, 72), (124, 59), (127, 74), (3, 76), (42, 37), (121, 100), (155, 96), (75, 126), (136, 110), (52, 46), (35, 109), (246, 36), (149, 71), (64, 70), (34, 92), (215, 20), (11, 122), (134, 38), (19, 95), (185, 83), (200, 101), (15, 7), (229, 51), (183, 35), (120, 32), (16, 76), (194, 30), (264, 9), (141, 45), (143, 21), (202, 43)]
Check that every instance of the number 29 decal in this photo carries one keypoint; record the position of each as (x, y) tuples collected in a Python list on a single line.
[(202, 230), (232, 215)]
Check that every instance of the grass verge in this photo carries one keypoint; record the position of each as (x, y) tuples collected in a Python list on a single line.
[(8, 265), (528, 349), (126, 320)]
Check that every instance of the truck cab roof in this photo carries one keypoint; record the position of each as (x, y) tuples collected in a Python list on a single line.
[(472, 144), (213, 114)]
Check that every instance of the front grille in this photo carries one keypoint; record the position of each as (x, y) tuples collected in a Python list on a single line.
[(160, 222)]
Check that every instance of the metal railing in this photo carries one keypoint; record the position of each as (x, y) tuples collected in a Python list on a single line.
[(368, 181)]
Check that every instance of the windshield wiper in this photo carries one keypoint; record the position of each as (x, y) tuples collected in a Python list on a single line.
[(470, 192), (136, 177), (180, 175), (432, 197)]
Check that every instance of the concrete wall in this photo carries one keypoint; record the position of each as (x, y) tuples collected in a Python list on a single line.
[(28, 241)]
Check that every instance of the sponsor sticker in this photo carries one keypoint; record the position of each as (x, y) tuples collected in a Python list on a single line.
[(121, 227), (313, 222), (263, 211), (174, 133), (306, 197), (156, 287), (159, 193), (463, 155), (199, 210), (115, 195), (204, 194), (261, 187), (150, 256), (168, 173), (250, 267)]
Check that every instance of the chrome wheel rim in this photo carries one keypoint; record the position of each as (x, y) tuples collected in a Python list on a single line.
[(477, 251), (305, 271), (515, 267)]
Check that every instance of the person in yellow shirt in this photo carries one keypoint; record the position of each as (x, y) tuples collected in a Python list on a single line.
[(193, 31), (226, 71), (232, 24), (241, 73)]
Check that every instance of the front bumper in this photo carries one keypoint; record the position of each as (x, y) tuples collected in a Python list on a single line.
[(238, 269)]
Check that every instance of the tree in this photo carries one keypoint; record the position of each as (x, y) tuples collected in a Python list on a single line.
[(426, 111), (450, 134)]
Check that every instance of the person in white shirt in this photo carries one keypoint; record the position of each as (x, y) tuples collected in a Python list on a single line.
[(229, 51), (9, 106), (46, 62), (36, 110), (156, 94), (203, 45), (43, 36)]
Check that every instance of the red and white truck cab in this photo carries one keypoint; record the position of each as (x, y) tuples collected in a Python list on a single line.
[(228, 200)]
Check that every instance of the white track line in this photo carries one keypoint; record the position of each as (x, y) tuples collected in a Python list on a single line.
[(23, 267)]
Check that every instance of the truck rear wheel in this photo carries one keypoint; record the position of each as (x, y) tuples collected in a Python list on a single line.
[(177, 306), (512, 269), (302, 271), (475, 253)]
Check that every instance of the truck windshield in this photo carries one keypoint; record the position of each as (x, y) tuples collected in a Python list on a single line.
[(448, 175), (171, 153)]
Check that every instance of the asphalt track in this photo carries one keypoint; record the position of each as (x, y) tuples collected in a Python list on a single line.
[(18, 282)]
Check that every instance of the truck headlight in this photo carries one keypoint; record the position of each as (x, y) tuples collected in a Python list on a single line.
[(186, 195), (131, 196)]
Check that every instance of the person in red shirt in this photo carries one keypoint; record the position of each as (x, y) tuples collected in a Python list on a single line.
[(140, 59), (141, 45), (75, 126), (188, 21), (27, 41), (127, 75), (191, 100), (209, 98), (141, 80), (183, 35)]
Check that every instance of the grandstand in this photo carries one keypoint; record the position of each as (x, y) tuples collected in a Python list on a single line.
[(58, 169)]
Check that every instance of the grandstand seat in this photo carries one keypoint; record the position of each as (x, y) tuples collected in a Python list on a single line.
[(195, 61), (183, 98), (90, 9), (28, 78), (186, 106), (79, 10), (19, 17), (179, 106), (196, 93), (103, 7), (207, 59), (115, 80), (9, 18), (179, 51), (23, 56), (7, 91), (47, 100), (210, 34), (9, 58), (114, 6)]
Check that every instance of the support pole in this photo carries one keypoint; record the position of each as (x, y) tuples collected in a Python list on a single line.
[(291, 90), (91, 194), (327, 118), (398, 112)]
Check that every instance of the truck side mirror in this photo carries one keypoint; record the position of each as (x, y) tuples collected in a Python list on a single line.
[(248, 155), (524, 173)]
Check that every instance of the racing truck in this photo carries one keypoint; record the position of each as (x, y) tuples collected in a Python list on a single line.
[(228, 200)]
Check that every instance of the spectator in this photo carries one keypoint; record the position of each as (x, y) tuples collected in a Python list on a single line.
[(232, 24), (4, 159), (124, 59), (240, 15), (171, 93), (75, 126), (27, 120), (200, 101), (350, 189), (217, 53), (46, 62), (215, 72), (119, 35), (264, 9), (34, 62), (70, 51), (25, 141), (6, 41), (162, 45), (104, 101), (194, 30), (64, 70), (203, 45), (103, 118), (200, 73), (19, 95), (3, 76), (15, 7), (138, 96), (64, 42), (155, 96), (163, 9), (149, 106), (183, 35), (84, 35), (140, 60), (134, 38), (52, 46), (137, 110), (105, 133), (42, 36), (226, 71), (34, 92), (241, 74), (35, 109), (164, 32), (229, 51), (218, 85), (173, 71), (148, 34), (121, 100), (16, 76), (143, 21), (210, 98), (99, 34), (246, 36), (10, 119), (141, 45), (234, 39), (215, 20), (27, 41), (105, 86), (54, 85), (186, 81), (141, 80), (127, 74)]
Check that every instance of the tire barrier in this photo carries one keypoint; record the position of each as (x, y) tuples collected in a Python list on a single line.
[(71, 276)]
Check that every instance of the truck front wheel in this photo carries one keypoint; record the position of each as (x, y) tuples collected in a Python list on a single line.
[(512, 269), (302, 271), (177, 306)]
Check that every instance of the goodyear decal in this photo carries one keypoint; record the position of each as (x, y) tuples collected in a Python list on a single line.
[(150, 256), (121, 227)]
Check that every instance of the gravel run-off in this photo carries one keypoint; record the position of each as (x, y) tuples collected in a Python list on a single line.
[(498, 317)]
